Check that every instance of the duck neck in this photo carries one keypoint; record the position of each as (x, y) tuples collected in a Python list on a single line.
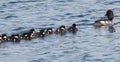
[(110, 20)]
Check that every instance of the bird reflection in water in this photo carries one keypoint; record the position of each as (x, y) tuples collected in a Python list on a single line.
[(111, 29)]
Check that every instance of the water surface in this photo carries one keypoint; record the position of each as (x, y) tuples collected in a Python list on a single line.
[(88, 45)]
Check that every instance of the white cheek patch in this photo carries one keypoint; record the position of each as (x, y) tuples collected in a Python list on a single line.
[(43, 32), (8, 39), (16, 36), (50, 30), (33, 31), (21, 37), (25, 35), (71, 29), (0, 37), (5, 37), (32, 34), (62, 28), (58, 30)]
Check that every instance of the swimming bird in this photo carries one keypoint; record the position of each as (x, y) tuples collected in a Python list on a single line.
[(15, 38), (4, 37), (73, 28), (28, 35), (61, 30), (32, 33), (49, 31), (106, 22), (41, 33)]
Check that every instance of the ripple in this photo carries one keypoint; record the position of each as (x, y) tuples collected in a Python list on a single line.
[(55, 19), (14, 2), (10, 16), (116, 49), (40, 60), (2, 11), (19, 28), (79, 16), (63, 1), (86, 56), (68, 14), (85, 24), (45, 53), (113, 3)]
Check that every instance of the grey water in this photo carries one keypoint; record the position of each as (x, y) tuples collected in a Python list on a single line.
[(87, 45)]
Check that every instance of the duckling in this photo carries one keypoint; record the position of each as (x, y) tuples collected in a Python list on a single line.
[(41, 33), (61, 30), (4, 37), (49, 31), (73, 28), (15, 38)]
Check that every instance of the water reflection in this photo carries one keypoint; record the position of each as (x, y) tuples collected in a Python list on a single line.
[(111, 29)]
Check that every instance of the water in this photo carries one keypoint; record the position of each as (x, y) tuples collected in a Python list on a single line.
[(88, 45)]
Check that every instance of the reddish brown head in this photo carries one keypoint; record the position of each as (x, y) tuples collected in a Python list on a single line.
[(110, 14)]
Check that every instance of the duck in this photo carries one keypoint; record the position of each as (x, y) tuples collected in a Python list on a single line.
[(73, 28), (105, 22), (49, 31), (25, 36), (4, 37), (15, 38), (41, 33), (61, 30), (32, 33)]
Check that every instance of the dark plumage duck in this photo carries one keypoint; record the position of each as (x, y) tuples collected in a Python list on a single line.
[(15, 38), (61, 30), (25, 36), (106, 22), (73, 28), (4, 37), (32, 33), (28, 35), (41, 33), (49, 31)]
